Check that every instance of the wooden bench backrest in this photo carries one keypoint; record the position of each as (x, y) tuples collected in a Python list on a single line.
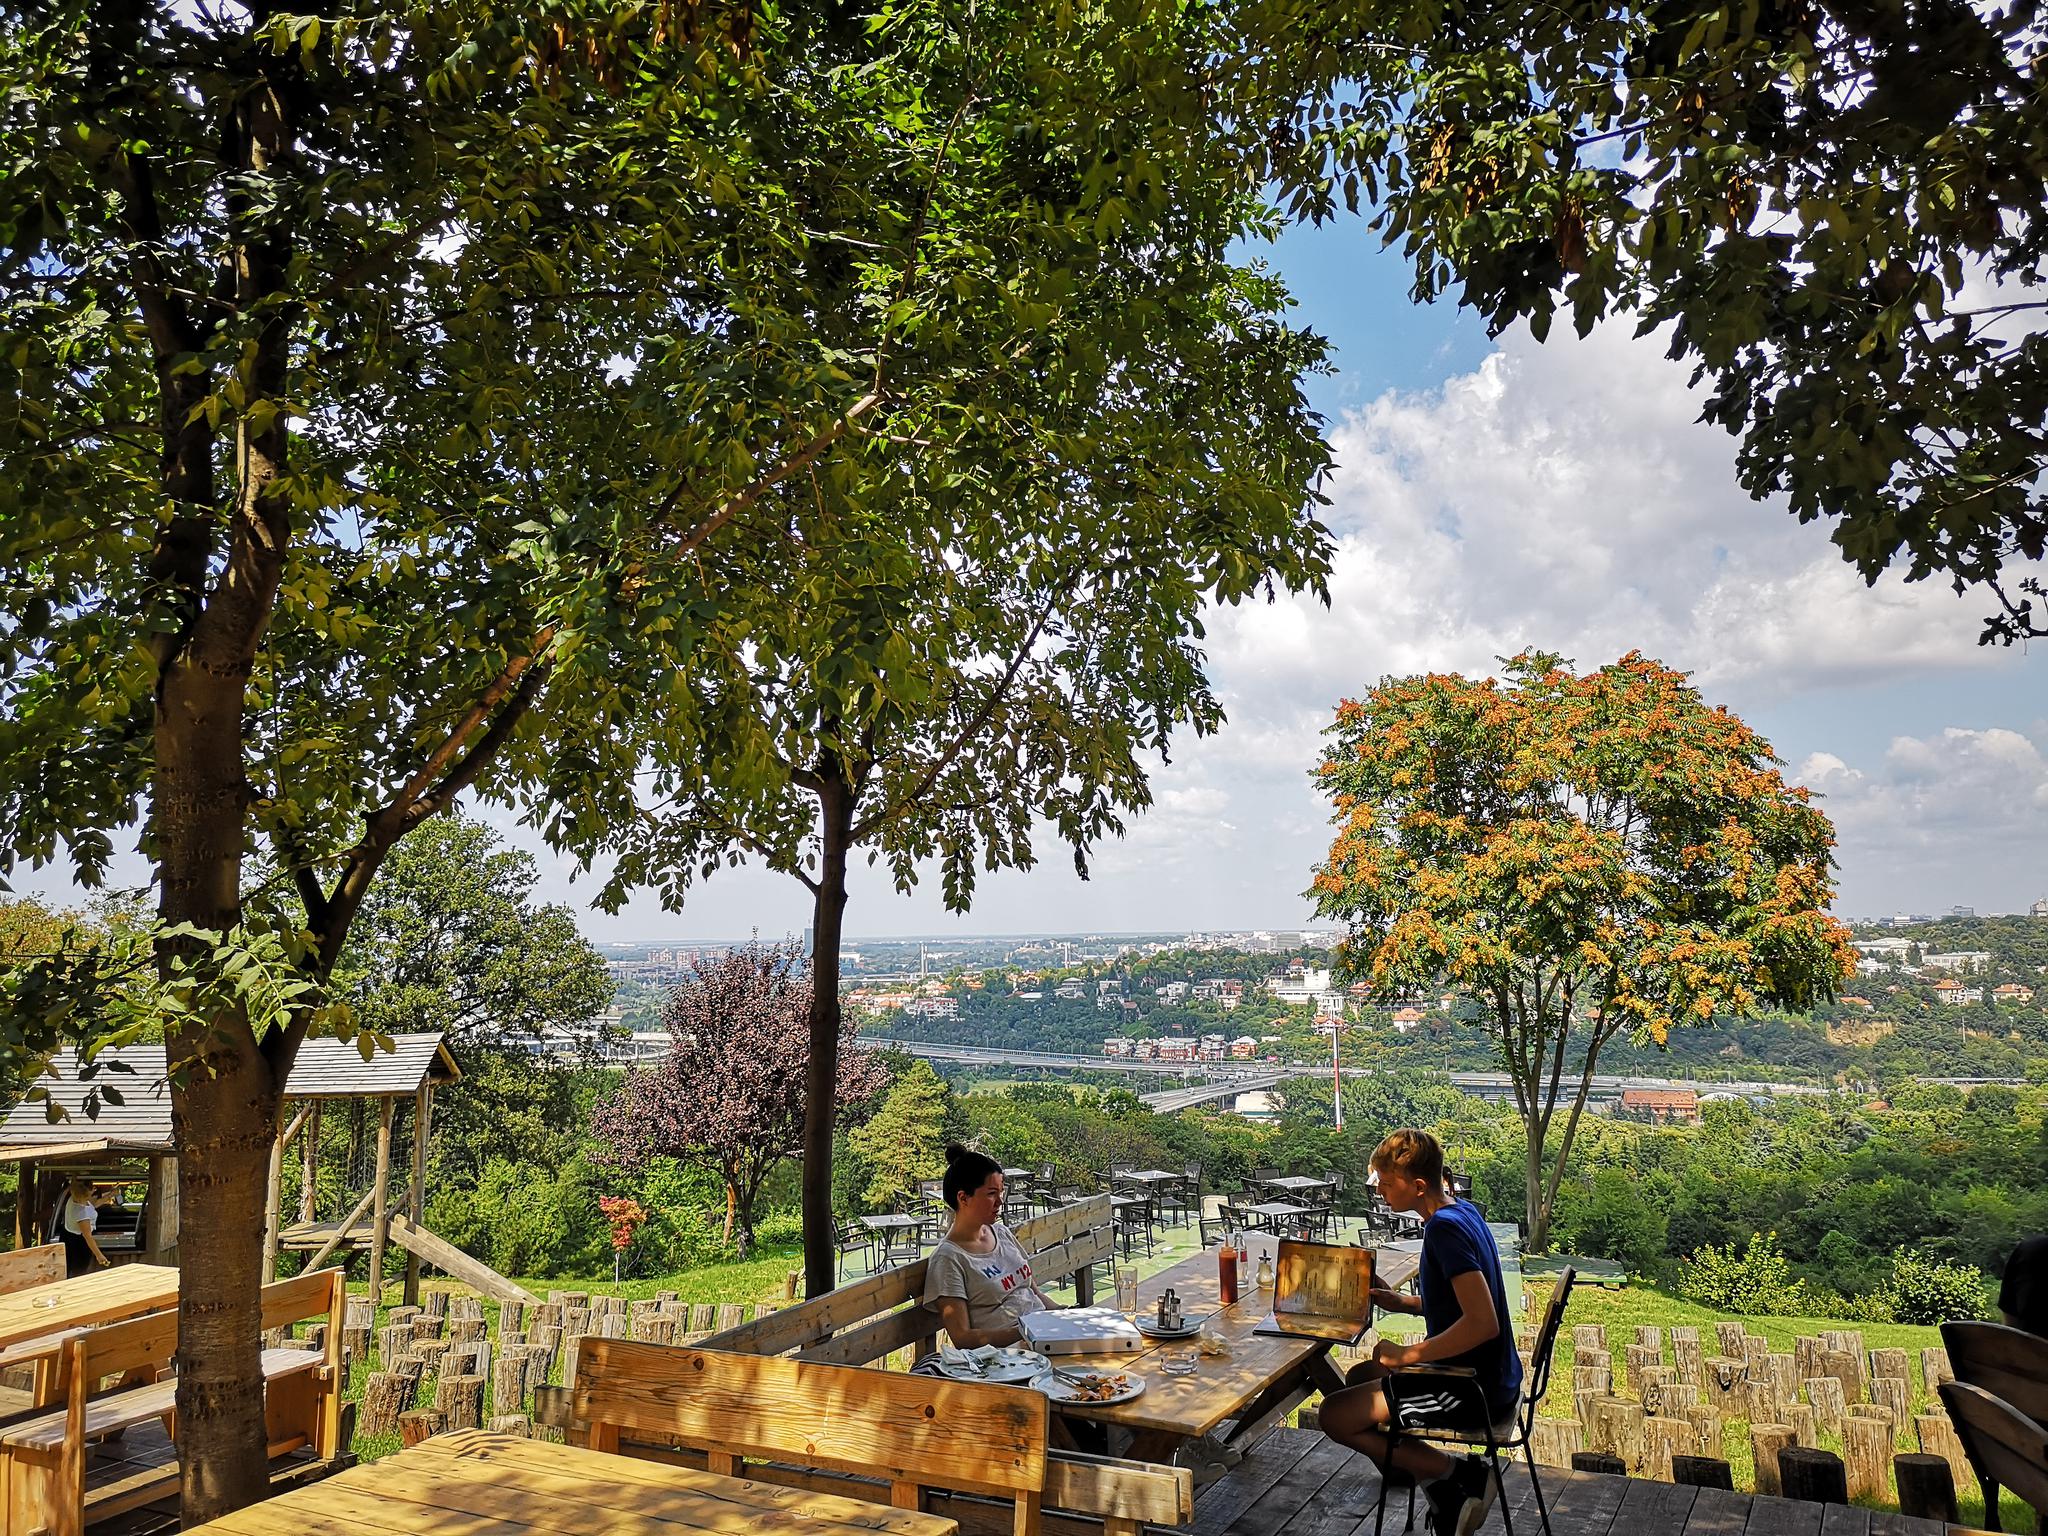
[(882, 1313), (914, 1431), (25, 1267), (2003, 1444), (117, 1348), (2009, 1363)]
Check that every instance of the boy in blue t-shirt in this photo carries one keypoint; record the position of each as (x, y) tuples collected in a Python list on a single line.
[(1464, 1307)]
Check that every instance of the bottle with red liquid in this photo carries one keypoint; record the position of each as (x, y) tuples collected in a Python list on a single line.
[(1226, 1269)]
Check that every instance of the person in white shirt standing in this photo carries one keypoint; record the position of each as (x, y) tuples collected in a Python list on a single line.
[(76, 1225)]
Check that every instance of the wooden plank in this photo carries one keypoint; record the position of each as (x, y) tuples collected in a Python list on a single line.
[(1844, 1520), (1268, 1486), (1718, 1512), (1889, 1522), (444, 1255), (749, 1495), (1118, 1489), (25, 1267), (872, 1341), (1770, 1515), (1654, 1509), (1587, 1503), (1346, 1498), (443, 1493), (902, 1428)]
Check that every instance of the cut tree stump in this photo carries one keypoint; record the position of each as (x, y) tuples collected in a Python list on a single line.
[(386, 1394), (512, 1424), (1938, 1438), (1934, 1368), (1729, 1337), (1812, 1475), (1800, 1417), (1829, 1408), (1765, 1441), (461, 1401), (1554, 1442), (1867, 1457), (1664, 1439), (1893, 1393), (1726, 1386), (1927, 1489), (420, 1424), (1587, 1336), (1599, 1461)]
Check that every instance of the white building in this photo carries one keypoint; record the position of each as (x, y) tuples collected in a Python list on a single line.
[(1959, 962), (1297, 988)]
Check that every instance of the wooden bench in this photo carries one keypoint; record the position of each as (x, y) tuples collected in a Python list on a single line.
[(911, 1432), (43, 1458), (866, 1322)]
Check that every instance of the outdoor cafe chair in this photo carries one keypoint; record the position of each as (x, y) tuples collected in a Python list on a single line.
[(856, 1241), (1509, 1436), (902, 1245)]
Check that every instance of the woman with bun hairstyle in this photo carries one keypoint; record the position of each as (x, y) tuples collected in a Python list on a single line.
[(977, 1278)]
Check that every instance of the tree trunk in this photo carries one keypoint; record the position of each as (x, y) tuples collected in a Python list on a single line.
[(1536, 1213), (224, 1123), (821, 1080)]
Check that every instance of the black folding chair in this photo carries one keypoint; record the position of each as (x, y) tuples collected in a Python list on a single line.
[(1511, 1435)]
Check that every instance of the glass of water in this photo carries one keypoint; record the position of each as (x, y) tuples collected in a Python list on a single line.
[(1126, 1290)]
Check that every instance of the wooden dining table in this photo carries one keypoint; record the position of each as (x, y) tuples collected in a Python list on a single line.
[(472, 1483), (103, 1296), (1231, 1399)]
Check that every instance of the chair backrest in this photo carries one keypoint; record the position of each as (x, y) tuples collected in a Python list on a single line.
[(2009, 1363), (1545, 1343), (2004, 1445), (31, 1266), (912, 1431)]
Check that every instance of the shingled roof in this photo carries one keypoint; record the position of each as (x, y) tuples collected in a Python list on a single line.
[(326, 1069)]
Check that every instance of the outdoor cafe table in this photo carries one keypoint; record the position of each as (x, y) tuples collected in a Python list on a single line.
[(890, 1223), (1295, 1184), (479, 1484), (103, 1296), (1260, 1379), (1275, 1213)]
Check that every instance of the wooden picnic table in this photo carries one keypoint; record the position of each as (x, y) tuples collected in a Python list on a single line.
[(103, 1296), (476, 1484), (1261, 1379)]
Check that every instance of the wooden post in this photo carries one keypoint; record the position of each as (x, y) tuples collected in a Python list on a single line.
[(1938, 1438), (415, 1205), (380, 1219), (310, 1167), (1816, 1476), (273, 1198), (25, 1234), (1927, 1490)]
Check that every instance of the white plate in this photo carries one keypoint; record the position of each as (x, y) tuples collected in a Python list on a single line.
[(1154, 1331), (1004, 1366), (1060, 1390)]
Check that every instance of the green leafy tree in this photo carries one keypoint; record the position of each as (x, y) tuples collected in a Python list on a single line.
[(1836, 213), (904, 1142), (397, 401), (1584, 855), (1008, 631)]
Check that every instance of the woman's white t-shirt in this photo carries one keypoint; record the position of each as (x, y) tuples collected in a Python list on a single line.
[(995, 1285), (80, 1215)]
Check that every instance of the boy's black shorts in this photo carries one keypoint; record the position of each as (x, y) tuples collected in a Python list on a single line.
[(1423, 1400)]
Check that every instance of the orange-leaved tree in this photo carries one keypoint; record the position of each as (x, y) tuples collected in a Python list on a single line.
[(1580, 855)]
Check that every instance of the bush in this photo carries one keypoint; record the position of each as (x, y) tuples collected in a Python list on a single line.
[(1924, 1290), (524, 1220), (1755, 1283)]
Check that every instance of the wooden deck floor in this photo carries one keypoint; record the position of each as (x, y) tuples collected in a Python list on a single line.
[(1297, 1483)]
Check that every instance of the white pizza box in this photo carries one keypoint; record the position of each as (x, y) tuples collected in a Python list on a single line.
[(1082, 1331)]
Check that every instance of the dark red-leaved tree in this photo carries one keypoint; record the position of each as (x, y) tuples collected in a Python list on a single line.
[(729, 1094)]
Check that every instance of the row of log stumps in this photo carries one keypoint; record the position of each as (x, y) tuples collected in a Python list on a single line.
[(1824, 1420), (435, 1367)]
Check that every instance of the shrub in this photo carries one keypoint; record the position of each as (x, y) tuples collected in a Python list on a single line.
[(1755, 1283), (1924, 1290)]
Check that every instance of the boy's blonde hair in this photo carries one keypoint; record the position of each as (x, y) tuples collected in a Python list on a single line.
[(1415, 1153)]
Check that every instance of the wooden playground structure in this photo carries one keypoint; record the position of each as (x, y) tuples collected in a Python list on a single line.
[(130, 1143)]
